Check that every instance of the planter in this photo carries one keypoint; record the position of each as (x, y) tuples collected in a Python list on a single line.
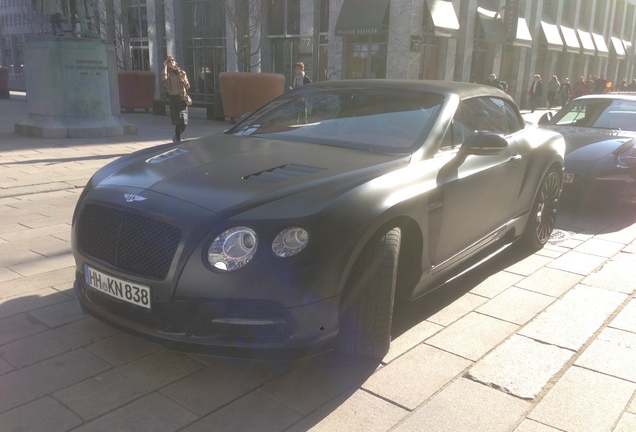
[(136, 89), (244, 92)]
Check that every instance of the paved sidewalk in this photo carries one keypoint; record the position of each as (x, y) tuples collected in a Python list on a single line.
[(535, 343)]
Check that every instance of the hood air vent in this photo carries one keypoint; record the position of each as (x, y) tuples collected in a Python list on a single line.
[(282, 173)]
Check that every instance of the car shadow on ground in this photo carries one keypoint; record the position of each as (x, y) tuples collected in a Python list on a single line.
[(584, 216)]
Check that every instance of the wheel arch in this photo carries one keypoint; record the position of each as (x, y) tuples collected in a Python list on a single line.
[(409, 264)]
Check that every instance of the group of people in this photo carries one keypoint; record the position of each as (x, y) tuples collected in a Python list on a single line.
[(176, 85), (563, 91)]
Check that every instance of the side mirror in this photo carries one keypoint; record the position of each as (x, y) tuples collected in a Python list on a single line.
[(545, 118), (484, 143)]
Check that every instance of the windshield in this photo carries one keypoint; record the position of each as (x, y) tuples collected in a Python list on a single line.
[(377, 120), (598, 113)]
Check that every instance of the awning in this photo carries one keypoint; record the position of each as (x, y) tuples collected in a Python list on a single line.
[(571, 42), (586, 42), (619, 49), (552, 36), (601, 46), (361, 17), (523, 38), (629, 50), (493, 26), (444, 17)]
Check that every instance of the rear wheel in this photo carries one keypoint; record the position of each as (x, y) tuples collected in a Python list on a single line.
[(543, 213), (367, 306)]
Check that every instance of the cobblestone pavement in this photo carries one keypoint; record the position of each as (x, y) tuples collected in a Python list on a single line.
[(538, 343)]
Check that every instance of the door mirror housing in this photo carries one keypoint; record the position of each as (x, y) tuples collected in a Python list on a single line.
[(545, 118), (484, 143)]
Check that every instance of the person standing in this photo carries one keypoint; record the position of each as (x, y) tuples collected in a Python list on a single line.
[(600, 84), (564, 91), (622, 87), (494, 82), (553, 88), (299, 77), (590, 83), (579, 88), (535, 92), (176, 84)]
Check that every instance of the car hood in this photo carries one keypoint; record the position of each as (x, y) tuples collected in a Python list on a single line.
[(223, 172), (590, 144)]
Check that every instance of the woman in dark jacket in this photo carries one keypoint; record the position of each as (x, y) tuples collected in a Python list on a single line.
[(176, 82), (535, 92)]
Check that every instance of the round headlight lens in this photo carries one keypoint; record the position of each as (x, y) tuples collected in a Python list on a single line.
[(232, 249), (290, 241)]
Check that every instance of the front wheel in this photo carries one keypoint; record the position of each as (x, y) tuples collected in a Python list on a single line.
[(543, 213), (367, 306)]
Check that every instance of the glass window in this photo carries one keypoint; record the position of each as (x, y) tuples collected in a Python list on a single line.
[(484, 114), (378, 120), (205, 55), (137, 16), (283, 17), (366, 57), (324, 16), (598, 113)]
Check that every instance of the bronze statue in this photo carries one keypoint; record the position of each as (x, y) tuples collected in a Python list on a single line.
[(75, 17)]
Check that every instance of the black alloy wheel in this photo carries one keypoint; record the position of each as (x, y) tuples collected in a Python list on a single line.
[(543, 212)]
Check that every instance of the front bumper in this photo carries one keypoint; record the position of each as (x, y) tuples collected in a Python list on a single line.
[(253, 329)]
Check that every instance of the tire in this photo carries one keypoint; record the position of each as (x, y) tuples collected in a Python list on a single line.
[(367, 307), (543, 213)]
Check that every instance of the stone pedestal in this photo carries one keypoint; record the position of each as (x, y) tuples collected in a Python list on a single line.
[(71, 90)]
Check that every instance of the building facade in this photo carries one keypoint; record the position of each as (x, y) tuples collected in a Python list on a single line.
[(460, 40)]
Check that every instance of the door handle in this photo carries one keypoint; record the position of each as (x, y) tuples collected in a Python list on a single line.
[(515, 158)]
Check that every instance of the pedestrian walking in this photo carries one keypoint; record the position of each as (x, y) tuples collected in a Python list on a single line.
[(600, 85), (590, 83), (553, 88), (564, 91), (535, 91), (622, 87), (300, 78), (579, 88), (494, 82), (176, 84)]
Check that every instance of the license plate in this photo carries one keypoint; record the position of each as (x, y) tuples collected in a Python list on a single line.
[(121, 289), (568, 178)]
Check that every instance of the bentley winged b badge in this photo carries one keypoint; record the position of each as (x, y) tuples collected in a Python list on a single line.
[(133, 198)]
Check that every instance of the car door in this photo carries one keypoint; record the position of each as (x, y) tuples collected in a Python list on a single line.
[(477, 190)]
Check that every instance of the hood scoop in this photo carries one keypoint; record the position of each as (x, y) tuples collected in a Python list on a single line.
[(282, 173)]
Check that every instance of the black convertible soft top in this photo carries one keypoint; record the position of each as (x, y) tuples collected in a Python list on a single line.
[(462, 89)]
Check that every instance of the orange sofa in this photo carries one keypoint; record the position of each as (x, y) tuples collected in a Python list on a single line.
[(136, 89), (244, 92)]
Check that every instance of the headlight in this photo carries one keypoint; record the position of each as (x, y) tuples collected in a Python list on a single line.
[(627, 155), (290, 241), (232, 249)]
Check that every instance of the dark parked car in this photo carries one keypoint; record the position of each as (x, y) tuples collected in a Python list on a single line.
[(600, 136), (295, 230)]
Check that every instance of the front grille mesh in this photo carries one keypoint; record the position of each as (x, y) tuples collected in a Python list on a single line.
[(128, 241)]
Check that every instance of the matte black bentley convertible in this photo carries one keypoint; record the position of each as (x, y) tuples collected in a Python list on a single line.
[(295, 230)]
